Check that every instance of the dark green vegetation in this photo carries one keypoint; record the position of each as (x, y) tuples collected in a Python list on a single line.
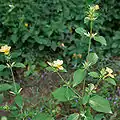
[(37, 29), (44, 30)]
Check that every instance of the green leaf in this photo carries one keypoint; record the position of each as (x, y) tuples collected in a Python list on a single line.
[(19, 100), (86, 21), (94, 74), (50, 69), (54, 45), (19, 65), (63, 94), (85, 99), (25, 37), (2, 67), (92, 58), (3, 118), (100, 39), (41, 47), (16, 54), (88, 115), (4, 87), (100, 104), (43, 41), (80, 31), (64, 70), (78, 76), (99, 117), (111, 81), (74, 116), (90, 1), (42, 64), (43, 116), (30, 70), (14, 38), (91, 87), (1, 98), (17, 86)]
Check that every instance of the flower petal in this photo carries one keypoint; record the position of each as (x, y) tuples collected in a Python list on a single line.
[(49, 63), (109, 70), (60, 68), (112, 76)]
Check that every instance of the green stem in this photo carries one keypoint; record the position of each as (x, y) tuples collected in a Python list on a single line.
[(98, 82), (91, 27), (61, 77), (89, 46), (83, 88), (13, 79), (67, 84)]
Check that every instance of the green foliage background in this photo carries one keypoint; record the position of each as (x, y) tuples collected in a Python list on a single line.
[(51, 23)]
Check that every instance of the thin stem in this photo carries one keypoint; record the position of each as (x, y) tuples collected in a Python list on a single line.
[(91, 27), (83, 88), (10, 66), (98, 82), (61, 77), (13, 79), (75, 92), (67, 84), (89, 46), (5, 80)]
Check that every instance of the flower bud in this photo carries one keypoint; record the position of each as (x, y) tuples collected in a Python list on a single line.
[(96, 7)]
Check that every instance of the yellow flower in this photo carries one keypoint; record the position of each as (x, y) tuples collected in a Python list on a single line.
[(79, 56), (26, 24), (5, 49), (74, 56), (91, 14), (57, 64), (96, 7), (110, 71)]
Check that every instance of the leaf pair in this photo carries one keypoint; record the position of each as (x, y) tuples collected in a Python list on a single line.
[(99, 39)]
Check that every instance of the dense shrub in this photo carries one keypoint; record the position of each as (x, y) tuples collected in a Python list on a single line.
[(36, 28)]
